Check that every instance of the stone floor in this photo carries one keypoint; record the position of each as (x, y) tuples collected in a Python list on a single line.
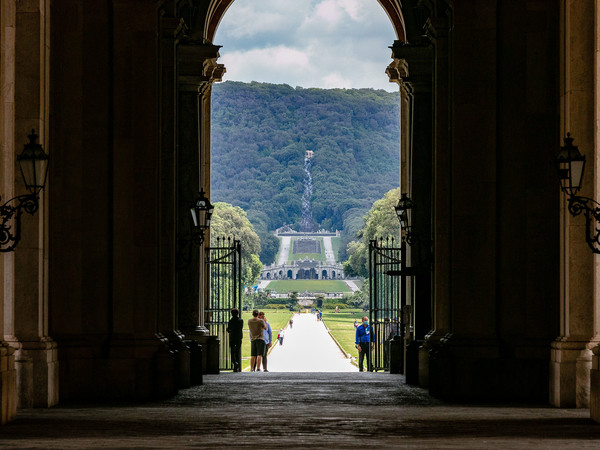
[(294, 410)]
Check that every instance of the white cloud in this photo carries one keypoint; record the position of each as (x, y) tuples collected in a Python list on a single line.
[(308, 43), (266, 64)]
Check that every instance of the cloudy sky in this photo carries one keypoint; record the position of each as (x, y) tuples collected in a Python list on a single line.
[(308, 43)]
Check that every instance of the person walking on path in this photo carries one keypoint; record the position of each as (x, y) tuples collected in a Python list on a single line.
[(280, 336), (257, 338), (291, 323), (364, 343), (268, 335), (234, 328)]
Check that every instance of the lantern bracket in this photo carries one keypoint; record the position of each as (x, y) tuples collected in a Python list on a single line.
[(11, 212), (590, 208)]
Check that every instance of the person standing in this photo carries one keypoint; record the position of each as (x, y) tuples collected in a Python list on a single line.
[(268, 336), (280, 336), (364, 343), (257, 338), (234, 328)]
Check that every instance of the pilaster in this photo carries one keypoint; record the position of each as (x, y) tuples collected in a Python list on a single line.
[(197, 70), (8, 379), (594, 402), (36, 357), (571, 357), (415, 64)]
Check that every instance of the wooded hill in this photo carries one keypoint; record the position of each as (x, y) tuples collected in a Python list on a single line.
[(260, 133)]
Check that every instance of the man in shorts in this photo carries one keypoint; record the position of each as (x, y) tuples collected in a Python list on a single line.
[(257, 341)]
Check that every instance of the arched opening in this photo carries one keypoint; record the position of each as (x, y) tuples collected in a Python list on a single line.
[(313, 273)]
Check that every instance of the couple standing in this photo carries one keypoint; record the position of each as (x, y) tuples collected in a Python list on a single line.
[(261, 337)]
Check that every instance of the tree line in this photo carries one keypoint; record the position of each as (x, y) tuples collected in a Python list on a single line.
[(260, 133)]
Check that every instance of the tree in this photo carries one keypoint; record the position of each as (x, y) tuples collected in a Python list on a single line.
[(231, 221), (260, 133), (379, 222)]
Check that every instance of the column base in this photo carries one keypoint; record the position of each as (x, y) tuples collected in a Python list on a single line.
[(37, 373), (570, 365), (119, 368), (8, 384), (477, 369), (595, 385), (210, 349), (431, 341)]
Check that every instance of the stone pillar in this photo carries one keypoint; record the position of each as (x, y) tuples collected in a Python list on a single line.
[(197, 70), (571, 355), (438, 31), (594, 402), (417, 68), (8, 374), (36, 355)]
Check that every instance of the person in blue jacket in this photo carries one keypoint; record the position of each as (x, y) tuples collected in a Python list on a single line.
[(268, 334), (364, 343)]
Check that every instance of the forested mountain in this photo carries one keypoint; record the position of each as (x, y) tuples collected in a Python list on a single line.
[(260, 133)]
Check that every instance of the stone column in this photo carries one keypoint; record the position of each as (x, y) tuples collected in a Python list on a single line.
[(197, 70), (36, 355), (170, 31), (571, 355), (8, 374), (418, 59), (594, 402), (438, 31)]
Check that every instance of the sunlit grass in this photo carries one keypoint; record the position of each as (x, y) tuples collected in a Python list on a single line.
[(322, 286), (342, 328)]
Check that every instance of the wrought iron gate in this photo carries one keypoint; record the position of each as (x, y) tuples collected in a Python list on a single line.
[(225, 292), (385, 302)]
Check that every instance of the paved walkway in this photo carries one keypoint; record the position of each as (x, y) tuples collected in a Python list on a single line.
[(301, 410), (282, 409), (308, 347), (329, 255), (352, 285), (284, 250)]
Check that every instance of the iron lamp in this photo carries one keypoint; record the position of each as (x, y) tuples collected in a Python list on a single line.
[(570, 164), (404, 212), (33, 164), (201, 215)]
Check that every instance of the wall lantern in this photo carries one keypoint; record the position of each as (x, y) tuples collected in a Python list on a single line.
[(201, 215), (570, 167), (570, 164), (422, 248), (201, 212), (33, 163), (404, 212)]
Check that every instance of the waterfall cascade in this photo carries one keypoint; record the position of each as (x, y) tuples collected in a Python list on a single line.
[(307, 224)]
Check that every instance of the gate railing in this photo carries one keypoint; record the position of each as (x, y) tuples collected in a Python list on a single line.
[(385, 303), (225, 283)]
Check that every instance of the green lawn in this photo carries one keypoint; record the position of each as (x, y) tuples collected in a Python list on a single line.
[(341, 326), (324, 286), (316, 256), (277, 320)]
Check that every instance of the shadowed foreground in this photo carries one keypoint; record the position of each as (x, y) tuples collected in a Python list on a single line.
[(278, 410)]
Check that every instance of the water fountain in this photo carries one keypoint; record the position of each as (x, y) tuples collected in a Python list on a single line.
[(307, 224)]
